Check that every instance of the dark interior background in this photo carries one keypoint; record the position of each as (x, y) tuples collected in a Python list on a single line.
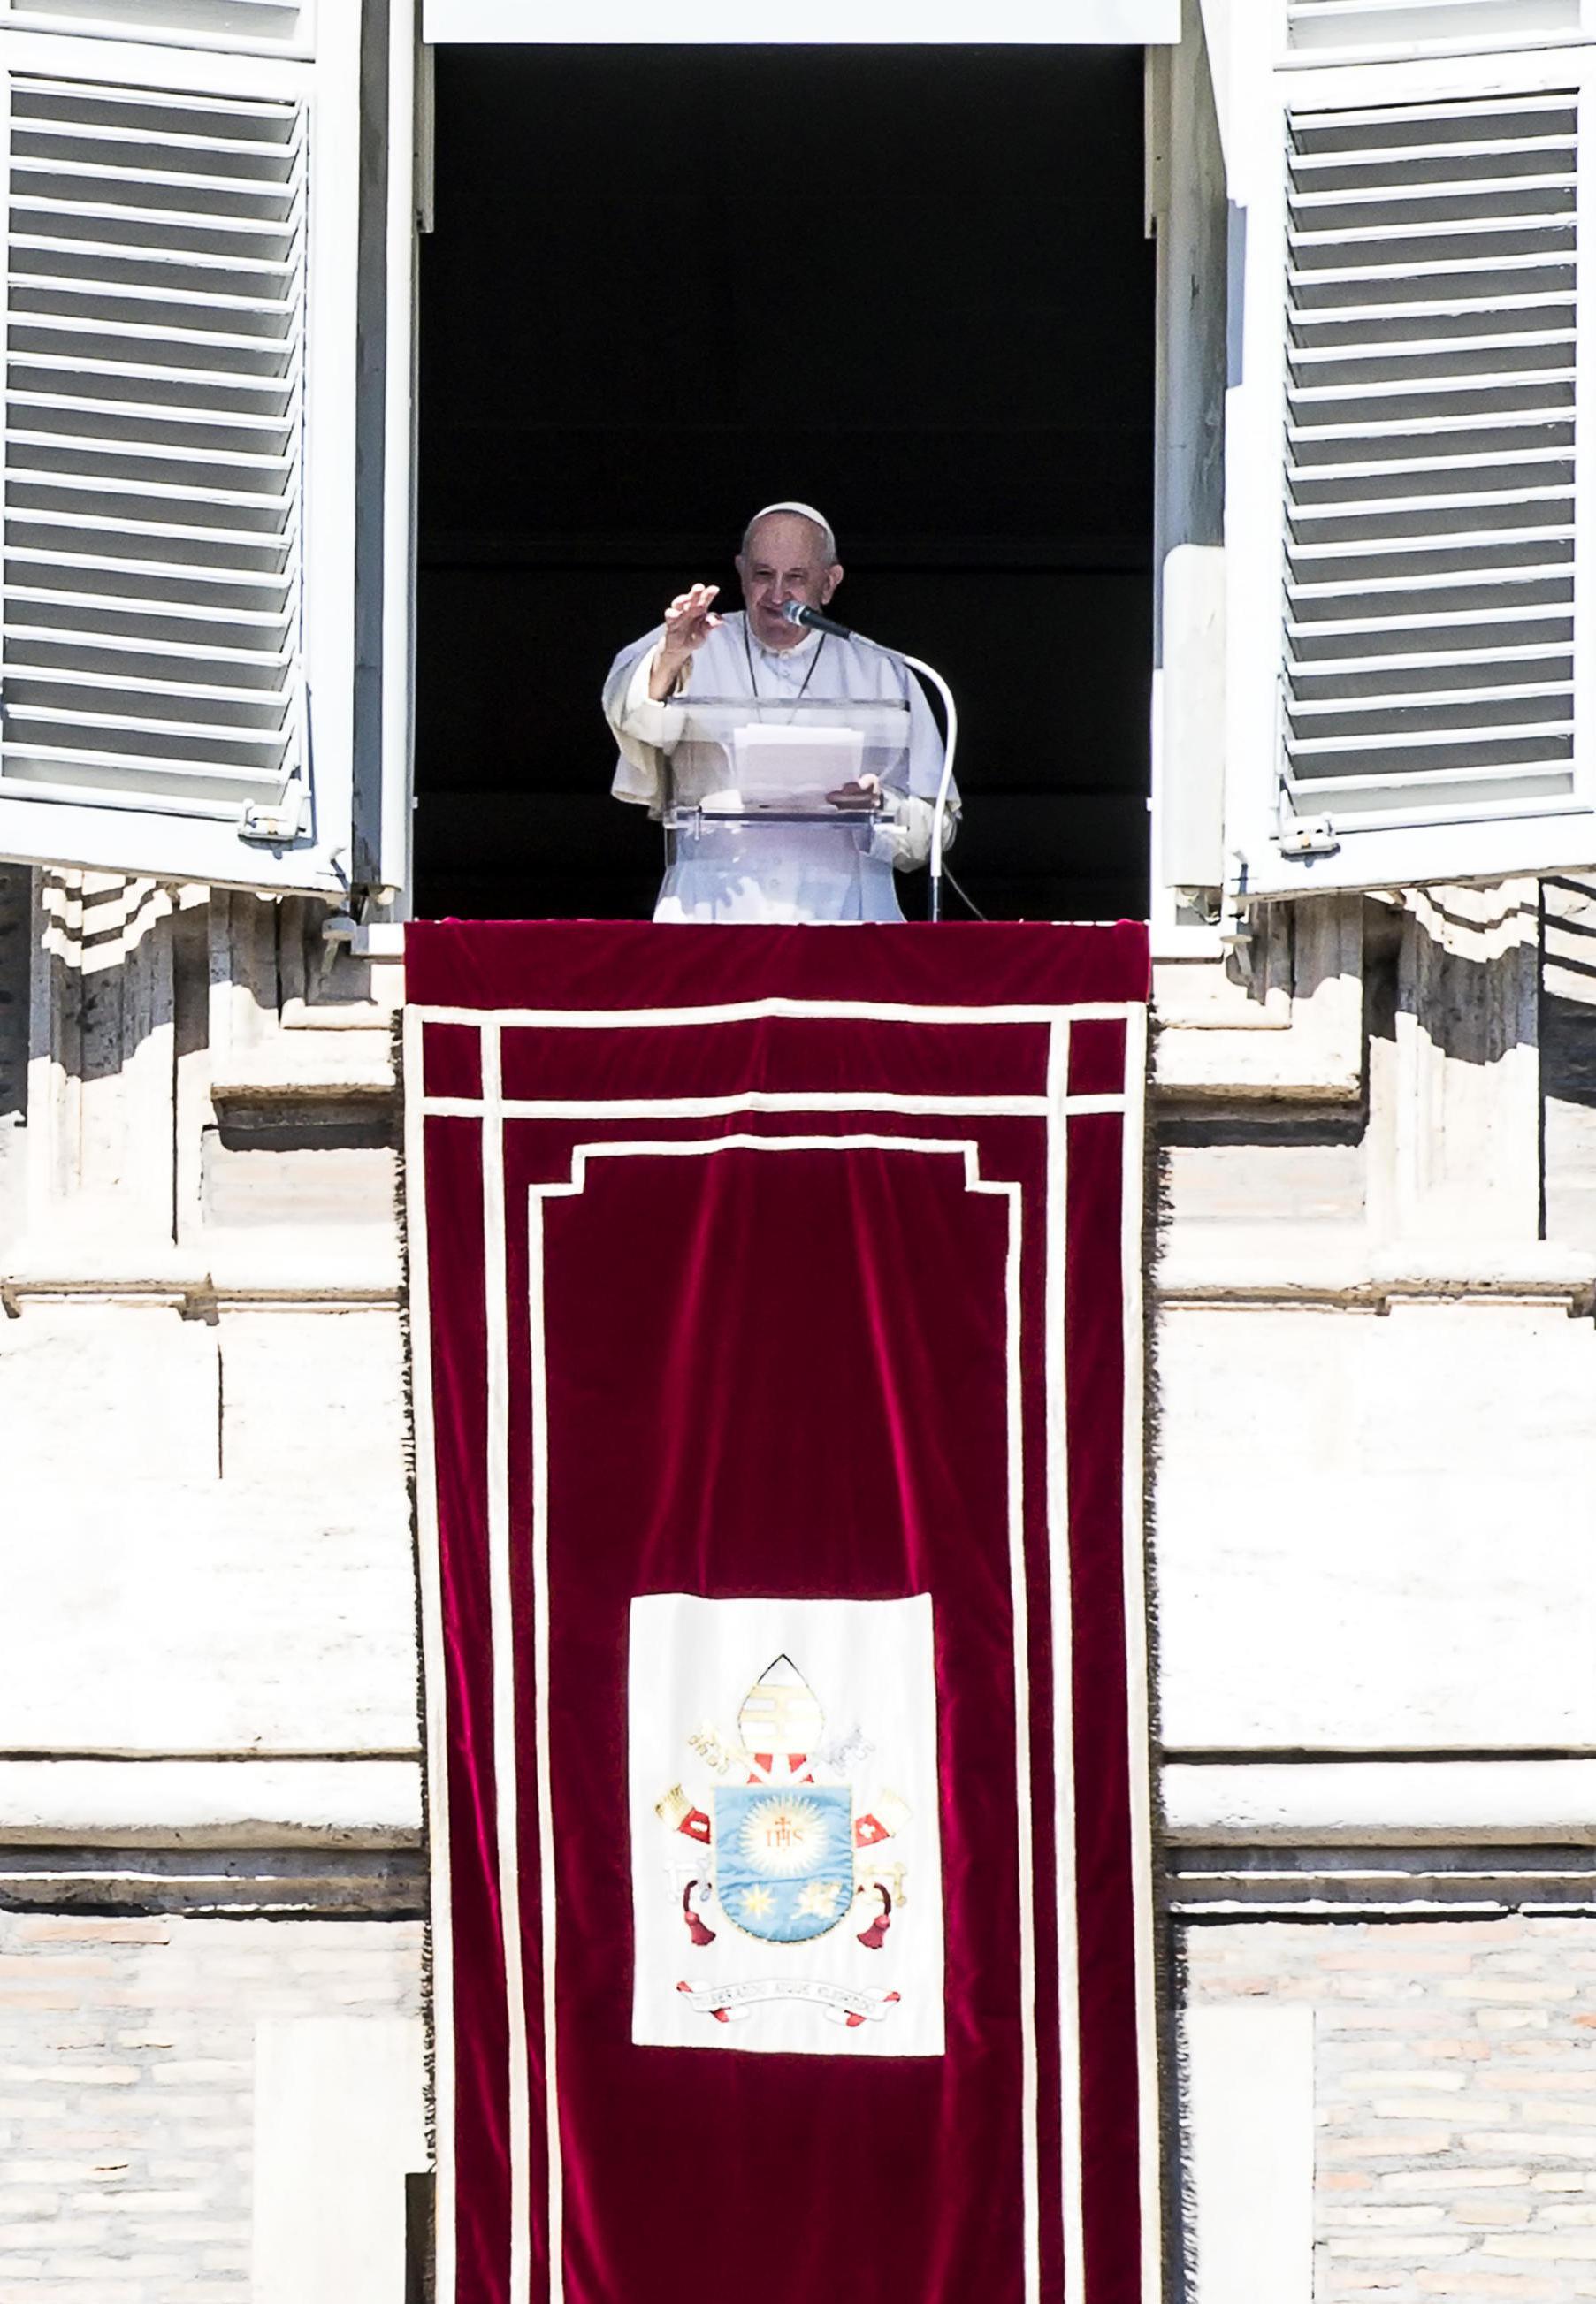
[(668, 285)]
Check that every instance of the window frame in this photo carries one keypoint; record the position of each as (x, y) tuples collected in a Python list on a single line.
[(1541, 836), (35, 827)]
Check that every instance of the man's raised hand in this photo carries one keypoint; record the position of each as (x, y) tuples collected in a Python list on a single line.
[(689, 621)]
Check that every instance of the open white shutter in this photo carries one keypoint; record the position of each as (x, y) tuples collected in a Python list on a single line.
[(1326, 27), (1411, 523), (176, 655)]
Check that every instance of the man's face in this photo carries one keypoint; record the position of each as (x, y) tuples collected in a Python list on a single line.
[(784, 561)]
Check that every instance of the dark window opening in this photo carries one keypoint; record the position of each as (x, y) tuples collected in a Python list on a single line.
[(668, 285)]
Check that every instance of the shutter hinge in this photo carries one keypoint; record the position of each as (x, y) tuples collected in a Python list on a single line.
[(1304, 836), (271, 825)]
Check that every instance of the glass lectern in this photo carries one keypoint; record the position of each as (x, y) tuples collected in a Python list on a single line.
[(765, 794)]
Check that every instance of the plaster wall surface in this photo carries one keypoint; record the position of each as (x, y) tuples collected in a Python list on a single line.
[(228, 1563), (1376, 1532)]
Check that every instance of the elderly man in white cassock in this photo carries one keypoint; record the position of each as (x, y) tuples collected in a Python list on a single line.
[(792, 871)]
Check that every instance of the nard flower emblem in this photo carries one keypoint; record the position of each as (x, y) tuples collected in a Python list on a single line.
[(821, 1899)]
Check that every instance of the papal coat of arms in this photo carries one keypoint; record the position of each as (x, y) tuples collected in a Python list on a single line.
[(791, 1849)]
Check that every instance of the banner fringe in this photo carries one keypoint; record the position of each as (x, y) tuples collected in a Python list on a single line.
[(408, 1415), (1179, 2224)]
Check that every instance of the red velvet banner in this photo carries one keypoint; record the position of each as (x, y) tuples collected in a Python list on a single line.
[(776, 1321)]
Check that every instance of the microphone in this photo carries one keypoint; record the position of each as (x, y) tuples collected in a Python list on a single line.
[(797, 613)]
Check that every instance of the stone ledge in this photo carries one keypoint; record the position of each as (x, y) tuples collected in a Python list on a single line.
[(345, 1273), (1234, 1266), (1375, 1803), (214, 1803)]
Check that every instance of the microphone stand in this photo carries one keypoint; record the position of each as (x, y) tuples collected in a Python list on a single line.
[(797, 614), (939, 820)]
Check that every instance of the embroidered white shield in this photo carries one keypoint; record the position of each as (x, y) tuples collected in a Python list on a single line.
[(786, 1854)]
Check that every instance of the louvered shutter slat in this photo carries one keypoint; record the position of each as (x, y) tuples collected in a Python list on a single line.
[(1326, 630), (172, 534), (106, 485), (47, 165), (150, 375), (153, 451), (154, 573), (1327, 25), (155, 779), (219, 24), (32, 684), (194, 418), (1397, 216), (235, 733), (1452, 698), (99, 135), (1475, 540), (25, 643), (86, 444), (140, 604), (1502, 382), (94, 252)]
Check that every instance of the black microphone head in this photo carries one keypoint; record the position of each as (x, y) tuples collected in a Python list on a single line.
[(799, 611)]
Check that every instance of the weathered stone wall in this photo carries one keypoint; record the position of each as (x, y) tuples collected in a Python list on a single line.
[(1454, 2086), (128, 2090)]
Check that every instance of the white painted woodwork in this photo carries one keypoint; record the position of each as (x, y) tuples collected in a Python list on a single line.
[(1249, 2097), (339, 2124), (1333, 26), (177, 645), (199, 23), (1062, 24), (1186, 204), (1402, 503), (153, 412)]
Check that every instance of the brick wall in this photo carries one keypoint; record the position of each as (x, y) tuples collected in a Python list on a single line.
[(1456, 2098), (127, 2089)]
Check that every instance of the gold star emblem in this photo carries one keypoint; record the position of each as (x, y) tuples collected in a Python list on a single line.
[(756, 1902)]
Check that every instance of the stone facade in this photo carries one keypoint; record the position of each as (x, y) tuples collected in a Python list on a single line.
[(211, 1893), (1375, 1583), (1453, 2151), (135, 2134)]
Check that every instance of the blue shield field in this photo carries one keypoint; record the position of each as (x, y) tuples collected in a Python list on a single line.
[(784, 1859)]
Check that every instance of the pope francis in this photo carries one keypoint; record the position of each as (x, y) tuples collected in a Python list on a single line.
[(840, 870)]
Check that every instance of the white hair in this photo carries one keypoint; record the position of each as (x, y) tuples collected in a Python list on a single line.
[(803, 512)]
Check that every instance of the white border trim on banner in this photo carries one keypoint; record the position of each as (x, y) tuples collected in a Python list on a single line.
[(1138, 1687), (754, 1012), (689, 1147)]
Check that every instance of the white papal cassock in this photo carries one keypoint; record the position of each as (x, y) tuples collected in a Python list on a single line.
[(792, 872)]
